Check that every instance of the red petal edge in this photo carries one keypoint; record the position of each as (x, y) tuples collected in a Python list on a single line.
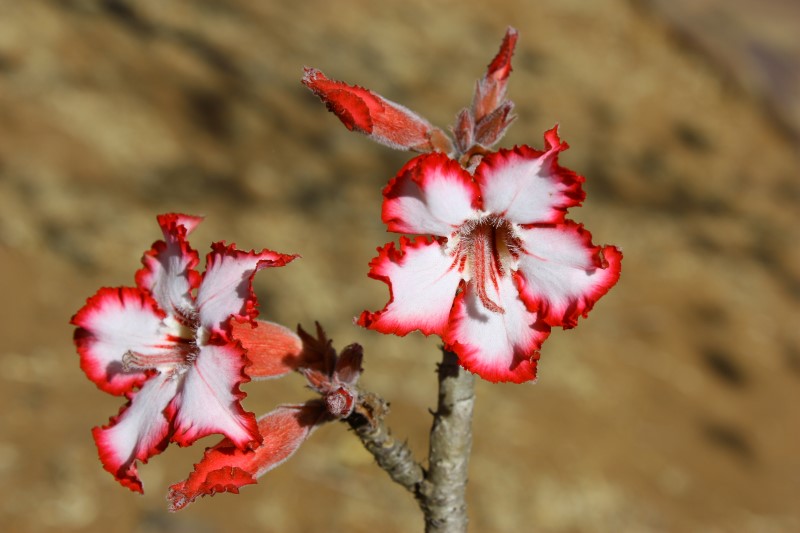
[(225, 468), (127, 474), (84, 340), (419, 170), (188, 435), (389, 253), (524, 367), (573, 193), (265, 258), (176, 228), (608, 258)]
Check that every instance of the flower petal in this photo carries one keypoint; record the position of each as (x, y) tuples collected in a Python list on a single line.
[(226, 468), (527, 186), (422, 283), (112, 323), (382, 120), (138, 432), (431, 194), (227, 286), (272, 350), (563, 274), (168, 271), (209, 400), (498, 346)]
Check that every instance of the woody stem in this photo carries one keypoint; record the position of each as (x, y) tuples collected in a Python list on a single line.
[(443, 493), (440, 490)]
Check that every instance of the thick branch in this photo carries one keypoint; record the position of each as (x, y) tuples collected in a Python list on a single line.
[(391, 455), (443, 493)]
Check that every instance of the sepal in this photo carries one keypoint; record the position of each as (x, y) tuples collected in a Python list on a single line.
[(333, 376)]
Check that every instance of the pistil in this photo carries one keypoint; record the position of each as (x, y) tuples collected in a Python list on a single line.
[(489, 246), (138, 361), (484, 264)]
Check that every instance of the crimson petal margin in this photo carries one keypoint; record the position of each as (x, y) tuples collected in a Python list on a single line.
[(209, 399), (562, 274), (113, 322), (225, 468), (422, 284), (527, 186), (138, 432), (227, 286), (499, 347), (431, 194), (169, 266)]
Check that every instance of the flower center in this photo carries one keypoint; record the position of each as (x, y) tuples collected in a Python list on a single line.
[(184, 337), (486, 249)]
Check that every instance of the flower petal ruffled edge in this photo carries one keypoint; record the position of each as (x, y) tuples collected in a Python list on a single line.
[(139, 431), (415, 302), (563, 282), (171, 282), (210, 399), (225, 468), (499, 347), (104, 326), (431, 194), (226, 290), (528, 186)]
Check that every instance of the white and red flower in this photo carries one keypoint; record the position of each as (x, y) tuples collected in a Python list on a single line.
[(504, 264), (167, 346), (276, 351)]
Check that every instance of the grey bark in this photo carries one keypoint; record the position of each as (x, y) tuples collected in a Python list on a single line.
[(444, 489), (441, 490)]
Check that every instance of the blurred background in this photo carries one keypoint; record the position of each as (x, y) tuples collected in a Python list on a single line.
[(673, 407)]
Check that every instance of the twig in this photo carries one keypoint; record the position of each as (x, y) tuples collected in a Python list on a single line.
[(391, 455), (440, 491)]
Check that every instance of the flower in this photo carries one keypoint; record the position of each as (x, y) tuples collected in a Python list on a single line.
[(276, 351), (167, 346), (504, 264)]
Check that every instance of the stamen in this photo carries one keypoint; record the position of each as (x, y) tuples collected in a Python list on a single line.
[(490, 247), (138, 361), (483, 258)]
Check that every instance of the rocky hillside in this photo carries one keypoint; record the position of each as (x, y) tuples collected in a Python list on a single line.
[(672, 408)]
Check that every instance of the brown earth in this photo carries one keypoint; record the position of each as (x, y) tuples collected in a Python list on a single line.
[(672, 408)]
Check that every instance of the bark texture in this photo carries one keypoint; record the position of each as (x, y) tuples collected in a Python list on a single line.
[(444, 490), (441, 490)]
